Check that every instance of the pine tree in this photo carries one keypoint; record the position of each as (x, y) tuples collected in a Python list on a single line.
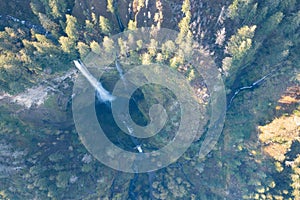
[(239, 9), (104, 24), (94, 19), (184, 24), (241, 42), (58, 8), (67, 44), (108, 44), (72, 27), (83, 49), (132, 25), (110, 6), (37, 7), (168, 48), (152, 47), (288, 5), (95, 47), (48, 24), (141, 4), (270, 25), (62, 179), (122, 46), (291, 23), (238, 48), (146, 59), (89, 26)]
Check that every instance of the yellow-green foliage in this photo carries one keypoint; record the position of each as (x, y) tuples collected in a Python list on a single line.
[(104, 24), (241, 42)]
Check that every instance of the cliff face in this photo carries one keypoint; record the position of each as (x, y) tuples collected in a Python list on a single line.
[(45, 105)]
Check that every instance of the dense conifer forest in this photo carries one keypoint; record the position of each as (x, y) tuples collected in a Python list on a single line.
[(255, 46)]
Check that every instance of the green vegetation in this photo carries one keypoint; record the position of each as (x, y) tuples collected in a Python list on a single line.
[(258, 154)]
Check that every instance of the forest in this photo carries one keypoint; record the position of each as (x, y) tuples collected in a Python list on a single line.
[(253, 45)]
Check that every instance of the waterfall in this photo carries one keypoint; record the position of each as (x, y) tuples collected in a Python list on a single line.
[(130, 130), (119, 69), (106, 96), (138, 147), (102, 94)]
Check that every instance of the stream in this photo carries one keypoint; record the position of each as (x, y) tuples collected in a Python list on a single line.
[(138, 147), (252, 86), (121, 26), (104, 96), (37, 28)]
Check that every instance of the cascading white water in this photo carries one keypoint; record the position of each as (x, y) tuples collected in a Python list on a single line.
[(130, 130), (102, 94), (134, 140), (119, 69)]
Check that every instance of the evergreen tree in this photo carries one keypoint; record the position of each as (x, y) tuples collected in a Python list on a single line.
[(272, 23), (168, 48), (288, 5), (83, 49), (122, 46), (62, 179), (58, 8), (67, 44), (48, 24), (37, 7), (152, 47), (105, 26), (146, 59), (238, 48), (141, 4), (89, 26), (94, 19), (239, 9), (240, 43), (132, 25), (95, 47), (184, 24), (291, 23), (108, 44), (269, 25), (72, 28), (110, 6)]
